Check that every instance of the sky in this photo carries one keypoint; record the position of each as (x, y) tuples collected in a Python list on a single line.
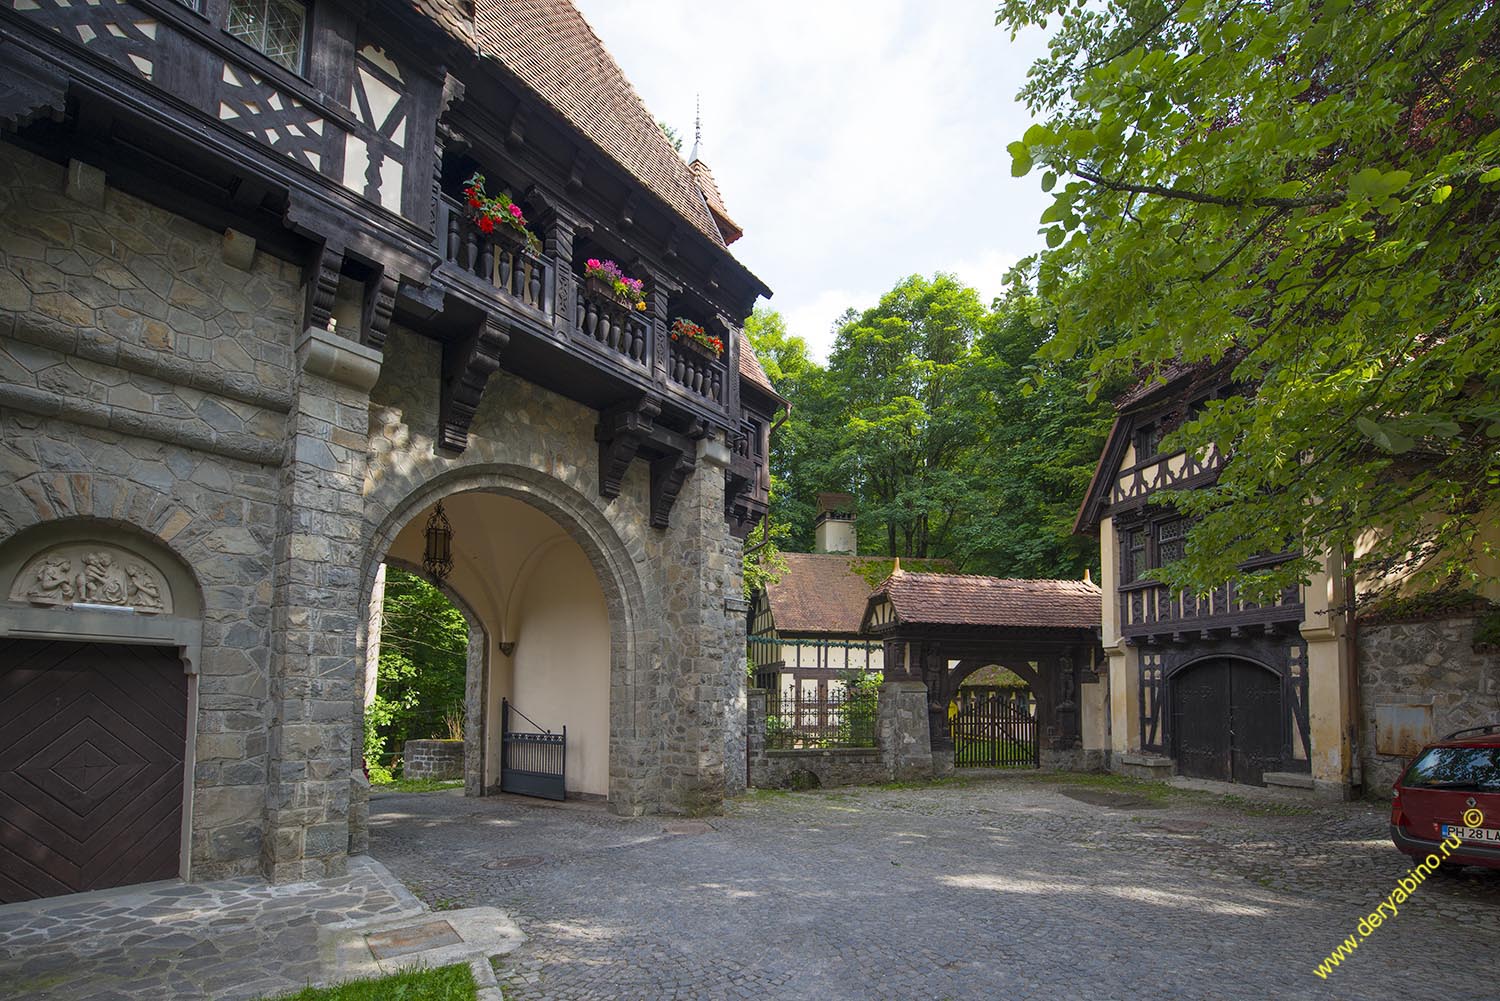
[(855, 141)]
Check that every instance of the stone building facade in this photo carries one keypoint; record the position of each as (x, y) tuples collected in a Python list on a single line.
[(249, 334)]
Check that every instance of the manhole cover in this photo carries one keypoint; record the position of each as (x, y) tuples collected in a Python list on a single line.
[(514, 862), (688, 827)]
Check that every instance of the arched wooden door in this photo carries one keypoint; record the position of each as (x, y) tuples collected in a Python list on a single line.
[(1228, 718), (92, 739)]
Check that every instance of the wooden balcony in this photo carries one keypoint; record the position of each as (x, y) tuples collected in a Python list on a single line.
[(1149, 610), (523, 282)]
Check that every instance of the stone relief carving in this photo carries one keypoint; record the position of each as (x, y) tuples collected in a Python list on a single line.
[(92, 574)]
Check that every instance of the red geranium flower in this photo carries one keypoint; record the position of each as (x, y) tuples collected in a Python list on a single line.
[(486, 224)]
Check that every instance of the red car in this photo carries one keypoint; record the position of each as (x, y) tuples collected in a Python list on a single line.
[(1452, 788)]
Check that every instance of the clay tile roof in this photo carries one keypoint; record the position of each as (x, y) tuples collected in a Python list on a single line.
[(554, 52), (750, 369), (454, 16), (960, 600), (818, 593), (728, 228)]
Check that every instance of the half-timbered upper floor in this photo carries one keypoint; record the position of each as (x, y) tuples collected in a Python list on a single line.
[(342, 136), (1141, 533)]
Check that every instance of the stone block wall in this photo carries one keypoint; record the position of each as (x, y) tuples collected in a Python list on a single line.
[(432, 759), (145, 388), (903, 751), (816, 769), (1427, 672)]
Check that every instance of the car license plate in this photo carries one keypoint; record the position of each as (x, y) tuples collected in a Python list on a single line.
[(1483, 835)]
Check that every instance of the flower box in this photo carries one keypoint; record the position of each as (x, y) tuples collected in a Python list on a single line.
[(604, 281), (601, 291), (690, 335)]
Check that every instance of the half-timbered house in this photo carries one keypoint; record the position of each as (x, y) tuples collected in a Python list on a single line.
[(1294, 692)]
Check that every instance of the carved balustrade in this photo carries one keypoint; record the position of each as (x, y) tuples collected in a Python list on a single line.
[(696, 372), (1151, 609), (612, 326), (521, 278)]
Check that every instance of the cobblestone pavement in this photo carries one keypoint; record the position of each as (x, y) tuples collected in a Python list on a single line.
[(1009, 887), (228, 941)]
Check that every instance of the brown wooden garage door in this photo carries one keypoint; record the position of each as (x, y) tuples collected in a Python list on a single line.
[(92, 739)]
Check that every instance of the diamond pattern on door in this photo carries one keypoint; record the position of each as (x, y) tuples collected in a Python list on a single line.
[(92, 738)]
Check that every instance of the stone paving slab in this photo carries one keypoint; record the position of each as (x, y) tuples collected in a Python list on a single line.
[(1001, 888), (230, 941)]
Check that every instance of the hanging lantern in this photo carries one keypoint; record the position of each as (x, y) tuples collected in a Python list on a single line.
[(437, 557)]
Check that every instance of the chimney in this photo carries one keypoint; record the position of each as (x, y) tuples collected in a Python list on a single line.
[(834, 526)]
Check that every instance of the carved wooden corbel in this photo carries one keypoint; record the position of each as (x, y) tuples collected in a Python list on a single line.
[(667, 476), (379, 304), (671, 250), (627, 211), (467, 367), (620, 433), (322, 280)]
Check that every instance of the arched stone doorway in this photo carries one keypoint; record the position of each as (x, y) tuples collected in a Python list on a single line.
[(561, 604), (1228, 720), (543, 639)]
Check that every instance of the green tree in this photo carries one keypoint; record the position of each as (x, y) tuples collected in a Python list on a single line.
[(1307, 193), (424, 644), (912, 410)]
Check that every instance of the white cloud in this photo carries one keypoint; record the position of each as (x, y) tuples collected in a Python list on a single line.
[(856, 142)]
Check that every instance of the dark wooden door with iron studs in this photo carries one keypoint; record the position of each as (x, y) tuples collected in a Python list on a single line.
[(92, 739), (994, 728)]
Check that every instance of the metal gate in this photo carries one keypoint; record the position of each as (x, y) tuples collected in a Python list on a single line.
[(532, 762), (994, 729)]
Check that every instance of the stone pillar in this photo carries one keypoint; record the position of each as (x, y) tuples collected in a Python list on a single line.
[(736, 658), (696, 683), (1093, 704), (316, 668), (905, 740), (372, 637), (1330, 713), (755, 732)]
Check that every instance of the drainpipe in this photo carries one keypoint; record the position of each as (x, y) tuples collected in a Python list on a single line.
[(1356, 714)]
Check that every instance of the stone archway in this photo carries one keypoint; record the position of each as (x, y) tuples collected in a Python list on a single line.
[(632, 633)]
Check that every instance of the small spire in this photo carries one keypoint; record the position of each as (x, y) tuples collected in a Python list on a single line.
[(697, 126), (1088, 575), (897, 568)]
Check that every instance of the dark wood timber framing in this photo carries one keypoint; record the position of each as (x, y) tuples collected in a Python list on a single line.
[(353, 166)]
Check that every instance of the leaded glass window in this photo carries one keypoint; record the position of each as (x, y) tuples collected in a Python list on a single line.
[(275, 27), (1171, 540)]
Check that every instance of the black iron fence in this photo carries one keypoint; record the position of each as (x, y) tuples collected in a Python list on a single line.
[(803, 720)]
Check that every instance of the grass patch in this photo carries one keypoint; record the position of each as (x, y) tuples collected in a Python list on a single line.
[(416, 785), (446, 983)]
